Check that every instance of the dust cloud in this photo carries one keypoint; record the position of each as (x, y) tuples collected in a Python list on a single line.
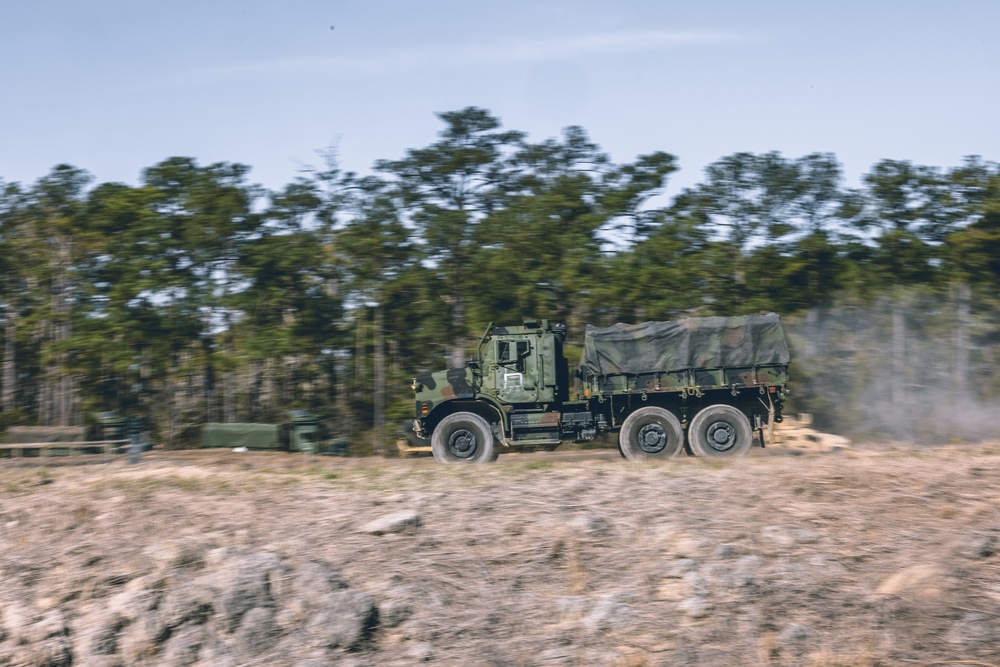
[(916, 368)]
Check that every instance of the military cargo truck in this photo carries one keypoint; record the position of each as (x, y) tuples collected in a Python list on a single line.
[(703, 385)]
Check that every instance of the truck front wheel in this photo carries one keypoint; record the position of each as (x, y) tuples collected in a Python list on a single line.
[(720, 431), (650, 432), (463, 437)]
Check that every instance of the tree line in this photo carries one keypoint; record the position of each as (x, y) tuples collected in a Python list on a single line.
[(198, 296)]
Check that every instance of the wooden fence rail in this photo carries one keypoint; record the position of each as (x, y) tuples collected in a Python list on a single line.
[(45, 448)]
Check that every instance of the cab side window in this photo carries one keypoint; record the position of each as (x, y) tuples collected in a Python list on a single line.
[(512, 353)]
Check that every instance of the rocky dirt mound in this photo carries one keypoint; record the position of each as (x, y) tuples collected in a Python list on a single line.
[(855, 559)]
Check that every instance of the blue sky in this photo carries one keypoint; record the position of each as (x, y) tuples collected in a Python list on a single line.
[(114, 86)]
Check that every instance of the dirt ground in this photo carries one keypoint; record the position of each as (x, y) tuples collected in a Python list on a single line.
[(881, 555)]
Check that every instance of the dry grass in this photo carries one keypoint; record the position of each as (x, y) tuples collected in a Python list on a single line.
[(573, 559)]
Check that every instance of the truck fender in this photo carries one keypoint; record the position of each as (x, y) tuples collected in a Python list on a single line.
[(481, 405)]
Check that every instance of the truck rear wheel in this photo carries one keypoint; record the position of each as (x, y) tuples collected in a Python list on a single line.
[(650, 432), (720, 431), (463, 437)]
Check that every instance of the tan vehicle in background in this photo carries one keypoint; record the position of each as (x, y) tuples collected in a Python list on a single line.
[(797, 434)]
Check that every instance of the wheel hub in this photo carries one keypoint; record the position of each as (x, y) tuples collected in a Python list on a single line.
[(721, 436), (652, 438), (462, 443)]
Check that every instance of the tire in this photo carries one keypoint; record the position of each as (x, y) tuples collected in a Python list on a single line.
[(650, 433), (720, 431), (463, 437)]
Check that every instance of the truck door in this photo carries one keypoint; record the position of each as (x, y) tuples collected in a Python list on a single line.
[(516, 370)]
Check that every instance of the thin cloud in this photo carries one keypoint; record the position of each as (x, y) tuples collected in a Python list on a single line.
[(522, 51), (591, 45)]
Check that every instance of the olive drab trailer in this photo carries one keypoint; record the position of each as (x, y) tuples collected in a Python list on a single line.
[(701, 384), (248, 435)]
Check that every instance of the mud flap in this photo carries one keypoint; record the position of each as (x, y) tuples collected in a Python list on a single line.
[(770, 422)]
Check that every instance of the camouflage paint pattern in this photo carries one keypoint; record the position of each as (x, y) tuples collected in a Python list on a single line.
[(704, 353), (521, 372), (692, 343), (432, 389)]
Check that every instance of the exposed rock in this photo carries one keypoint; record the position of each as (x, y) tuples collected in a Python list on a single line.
[(314, 581), (732, 574), (245, 585), (413, 630), (139, 597), (795, 632), (397, 522), (51, 652), (420, 652), (345, 620), (103, 639), (590, 525), (41, 641), (981, 546), (18, 618), (726, 551), (393, 611), (258, 631), (746, 571), (45, 642), (695, 607), (610, 612), (188, 603), (214, 653), (179, 626), (183, 648), (972, 630), (290, 617), (696, 583), (135, 645), (52, 624), (780, 536), (682, 580), (793, 642)]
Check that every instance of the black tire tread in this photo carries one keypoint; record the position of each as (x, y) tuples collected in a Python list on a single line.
[(630, 449), (439, 438), (696, 437)]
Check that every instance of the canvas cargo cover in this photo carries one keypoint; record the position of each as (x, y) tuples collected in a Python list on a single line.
[(696, 342), (251, 436), (34, 434)]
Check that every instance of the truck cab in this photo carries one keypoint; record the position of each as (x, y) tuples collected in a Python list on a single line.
[(516, 382)]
